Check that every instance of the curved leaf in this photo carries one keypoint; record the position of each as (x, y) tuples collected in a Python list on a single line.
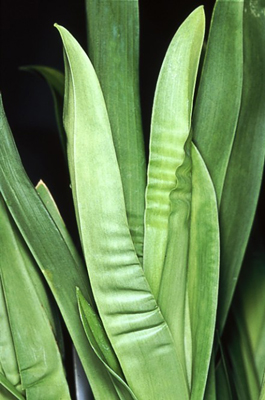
[(130, 315), (171, 121)]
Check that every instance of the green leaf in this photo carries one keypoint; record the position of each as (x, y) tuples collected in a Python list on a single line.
[(51, 252), (243, 368), (113, 44), (133, 322), (210, 390), (171, 122), (203, 272), (38, 356), (55, 80), (9, 373), (12, 392), (219, 93), (250, 296), (101, 345), (244, 175)]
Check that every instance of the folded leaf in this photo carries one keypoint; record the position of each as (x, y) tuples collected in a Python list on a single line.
[(133, 322), (113, 48)]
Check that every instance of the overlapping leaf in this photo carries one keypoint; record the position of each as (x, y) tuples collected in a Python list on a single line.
[(131, 317), (38, 357), (52, 254)]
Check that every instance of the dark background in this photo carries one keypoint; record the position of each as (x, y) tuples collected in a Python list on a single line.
[(28, 37)]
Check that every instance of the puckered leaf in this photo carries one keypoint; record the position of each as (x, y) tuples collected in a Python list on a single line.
[(129, 312)]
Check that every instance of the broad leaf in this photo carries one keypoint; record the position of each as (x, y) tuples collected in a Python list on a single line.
[(113, 48), (129, 312)]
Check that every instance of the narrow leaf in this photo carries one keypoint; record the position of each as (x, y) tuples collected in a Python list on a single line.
[(244, 175), (171, 122), (113, 45), (10, 388), (51, 252), (129, 312), (219, 93)]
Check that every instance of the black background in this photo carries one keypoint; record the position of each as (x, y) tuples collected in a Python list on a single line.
[(28, 37)]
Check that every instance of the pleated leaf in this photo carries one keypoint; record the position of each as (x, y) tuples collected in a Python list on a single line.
[(170, 128), (129, 312), (52, 254), (113, 48), (55, 80), (244, 174), (39, 360)]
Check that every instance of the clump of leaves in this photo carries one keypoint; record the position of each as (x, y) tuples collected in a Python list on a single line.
[(163, 249)]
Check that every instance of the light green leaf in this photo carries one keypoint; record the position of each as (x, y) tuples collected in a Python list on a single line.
[(11, 391), (171, 122), (9, 373), (219, 93), (55, 80), (244, 175), (38, 356), (51, 252), (100, 343), (113, 48), (203, 272), (129, 312)]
